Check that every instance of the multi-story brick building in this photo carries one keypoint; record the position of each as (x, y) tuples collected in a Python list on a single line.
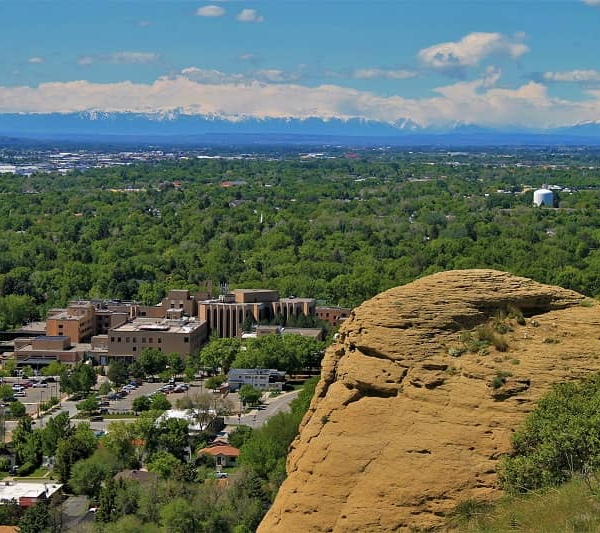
[(181, 336), (226, 314), (334, 315)]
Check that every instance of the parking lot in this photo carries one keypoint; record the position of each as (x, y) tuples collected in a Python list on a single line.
[(34, 395)]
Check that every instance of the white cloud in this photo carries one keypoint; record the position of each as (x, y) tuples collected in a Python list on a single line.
[(573, 76), (121, 58), (210, 11), (86, 60), (480, 101), (144, 23), (592, 2), (36, 60), (249, 15), (390, 74), (212, 76), (247, 57), (471, 50)]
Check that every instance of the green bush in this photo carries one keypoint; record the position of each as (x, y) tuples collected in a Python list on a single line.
[(560, 438), (4, 464), (26, 469)]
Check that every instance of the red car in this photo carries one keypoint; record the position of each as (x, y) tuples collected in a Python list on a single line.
[(27, 383)]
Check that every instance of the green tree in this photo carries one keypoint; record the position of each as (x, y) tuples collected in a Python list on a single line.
[(214, 382), (240, 435), (118, 372), (105, 388), (173, 437), (164, 464), (36, 519), (152, 361), (160, 402), (249, 395), (141, 403), (219, 354), (88, 406), (178, 516), (56, 428), (52, 369), (87, 475), (79, 445), (6, 391), (175, 363), (17, 409), (79, 379)]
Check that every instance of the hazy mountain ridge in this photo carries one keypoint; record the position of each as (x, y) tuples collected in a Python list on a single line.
[(176, 123)]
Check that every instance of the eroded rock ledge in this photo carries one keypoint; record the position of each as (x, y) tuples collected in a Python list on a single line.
[(406, 422)]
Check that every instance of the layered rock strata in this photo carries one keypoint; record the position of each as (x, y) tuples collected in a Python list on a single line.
[(415, 406)]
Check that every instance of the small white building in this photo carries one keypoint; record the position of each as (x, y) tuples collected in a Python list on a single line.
[(258, 378), (27, 494)]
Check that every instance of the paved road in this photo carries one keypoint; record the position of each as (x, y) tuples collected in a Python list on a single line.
[(257, 417)]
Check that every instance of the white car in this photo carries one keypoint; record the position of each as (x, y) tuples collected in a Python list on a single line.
[(19, 394), (39, 384), (18, 388)]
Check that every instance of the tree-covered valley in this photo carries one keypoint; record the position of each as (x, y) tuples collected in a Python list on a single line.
[(340, 230)]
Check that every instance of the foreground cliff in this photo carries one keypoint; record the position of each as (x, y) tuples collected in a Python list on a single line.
[(414, 409)]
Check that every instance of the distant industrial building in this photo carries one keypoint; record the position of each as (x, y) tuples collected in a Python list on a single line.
[(543, 197)]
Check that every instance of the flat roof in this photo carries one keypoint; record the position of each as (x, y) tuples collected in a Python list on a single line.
[(14, 490), (52, 337), (153, 325)]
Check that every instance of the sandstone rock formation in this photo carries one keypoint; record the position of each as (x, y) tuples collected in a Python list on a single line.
[(406, 422)]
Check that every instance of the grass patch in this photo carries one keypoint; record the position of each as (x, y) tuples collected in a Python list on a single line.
[(479, 339), (569, 508)]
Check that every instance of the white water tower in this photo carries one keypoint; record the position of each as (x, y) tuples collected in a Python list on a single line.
[(543, 197)]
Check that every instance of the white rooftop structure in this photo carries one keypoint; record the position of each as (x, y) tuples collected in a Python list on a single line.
[(187, 414), (15, 490)]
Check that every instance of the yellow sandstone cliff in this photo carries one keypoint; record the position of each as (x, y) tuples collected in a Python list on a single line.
[(404, 425)]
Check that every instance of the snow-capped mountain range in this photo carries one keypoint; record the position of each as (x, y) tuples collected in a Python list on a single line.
[(175, 123)]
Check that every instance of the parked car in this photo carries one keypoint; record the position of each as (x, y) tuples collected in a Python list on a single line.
[(40, 385), (27, 383), (221, 475), (17, 387), (20, 394)]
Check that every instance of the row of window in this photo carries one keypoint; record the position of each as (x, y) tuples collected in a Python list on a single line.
[(150, 340)]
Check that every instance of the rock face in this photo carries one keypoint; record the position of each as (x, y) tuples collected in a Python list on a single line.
[(413, 410)]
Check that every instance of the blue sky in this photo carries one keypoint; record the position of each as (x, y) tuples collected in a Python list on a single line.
[(500, 63)]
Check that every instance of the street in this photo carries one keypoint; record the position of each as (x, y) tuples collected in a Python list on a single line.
[(254, 418)]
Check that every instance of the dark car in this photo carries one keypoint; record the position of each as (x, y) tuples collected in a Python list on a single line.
[(96, 418)]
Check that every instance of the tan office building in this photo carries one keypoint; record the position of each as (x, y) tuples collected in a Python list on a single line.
[(226, 314), (170, 336)]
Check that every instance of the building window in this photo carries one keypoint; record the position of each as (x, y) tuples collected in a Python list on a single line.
[(143, 340), (127, 339), (134, 349), (159, 340), (118, 339), (151, 340), (134, 339), (186, 339), (112, 339)]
